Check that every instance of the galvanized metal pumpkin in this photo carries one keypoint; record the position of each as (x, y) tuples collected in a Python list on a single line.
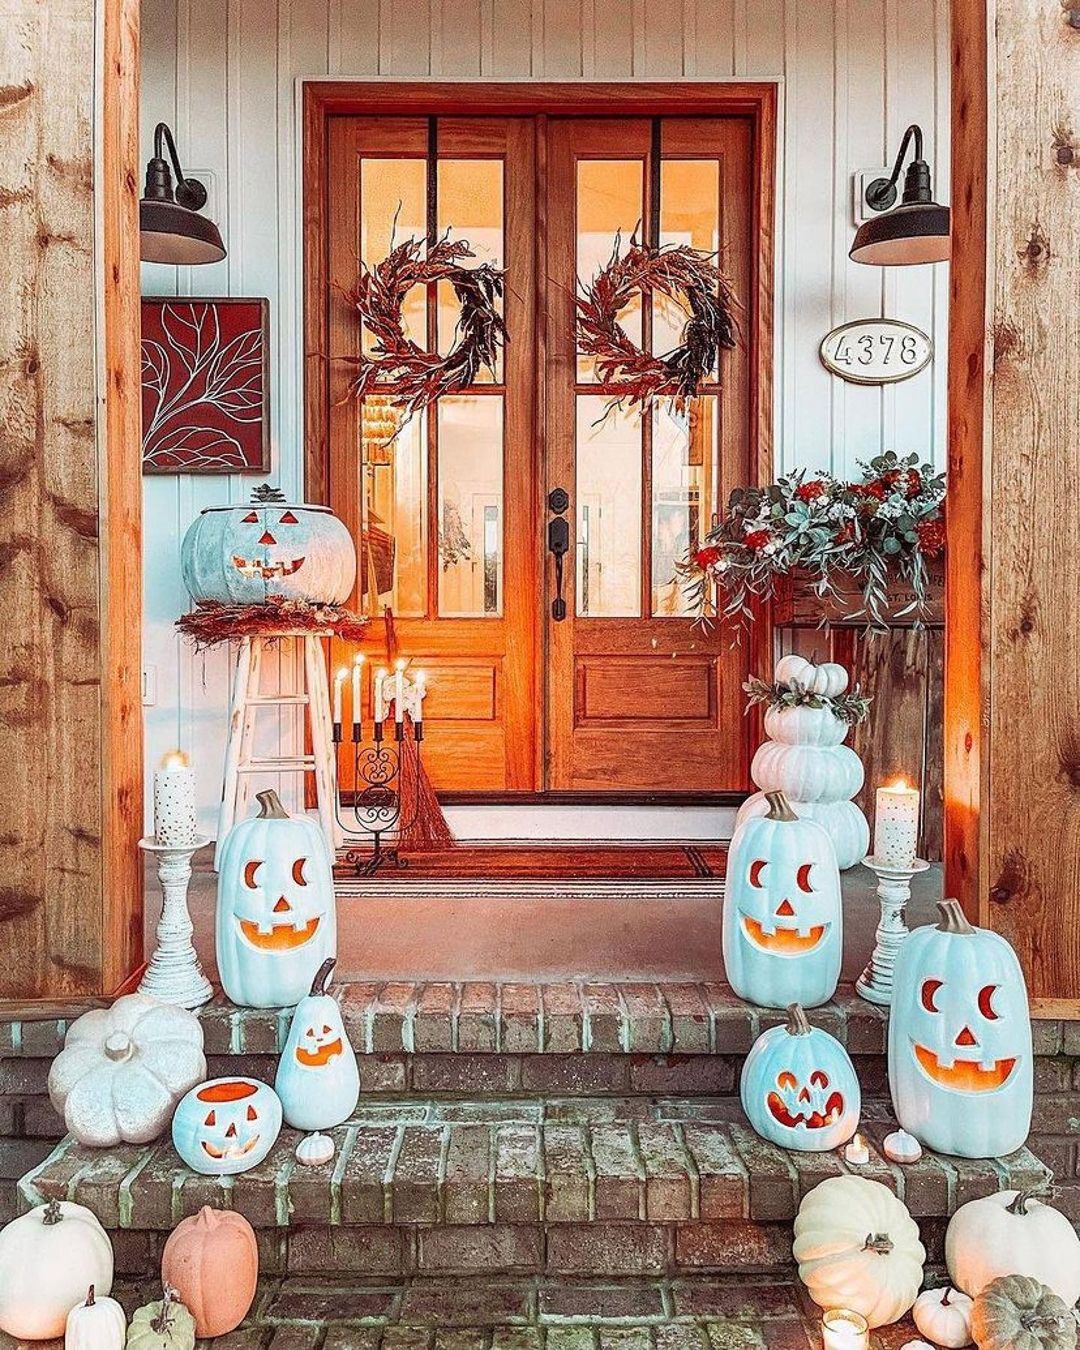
[(226, 1126), (960, 1050), (317, 1078), (798, 1087), (783, 923), (276, 915), (244, 554)]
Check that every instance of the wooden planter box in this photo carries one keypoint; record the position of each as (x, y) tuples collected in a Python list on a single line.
[(797, 605)]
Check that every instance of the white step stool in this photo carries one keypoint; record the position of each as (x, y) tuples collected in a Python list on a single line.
[(314, 695)]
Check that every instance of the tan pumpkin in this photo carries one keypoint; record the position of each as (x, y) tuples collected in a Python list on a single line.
[(212, 1261), (1015, 1312)]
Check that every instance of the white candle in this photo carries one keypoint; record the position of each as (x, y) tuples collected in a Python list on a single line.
[(380, 706), (174, 801), (896, 824), (419, 694), (399, 691), (857, 1152), (357, 673), (843, 1329), (339, 688)]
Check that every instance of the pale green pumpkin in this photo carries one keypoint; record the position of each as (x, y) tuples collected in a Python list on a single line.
[(164, 1325)]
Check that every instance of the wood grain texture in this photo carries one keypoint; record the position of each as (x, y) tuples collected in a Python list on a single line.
[(69, 905)]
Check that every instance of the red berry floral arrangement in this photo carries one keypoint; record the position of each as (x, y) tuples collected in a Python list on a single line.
[(883, 526)]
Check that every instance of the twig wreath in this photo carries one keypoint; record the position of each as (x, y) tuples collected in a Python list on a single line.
[(685, 276), (412, 376)]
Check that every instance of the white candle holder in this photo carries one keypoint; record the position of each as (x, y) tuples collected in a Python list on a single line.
[(875, 984), (174, 974)]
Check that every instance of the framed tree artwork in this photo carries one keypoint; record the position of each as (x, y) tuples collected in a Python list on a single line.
[(205, 385)]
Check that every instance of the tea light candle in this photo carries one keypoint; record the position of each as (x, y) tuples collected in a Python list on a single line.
[(857, 1153), (174, 801), (339, 689), (843, 1329), (896, 824)]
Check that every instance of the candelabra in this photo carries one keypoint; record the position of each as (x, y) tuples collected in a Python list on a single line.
[(875, 984), (378, 805)]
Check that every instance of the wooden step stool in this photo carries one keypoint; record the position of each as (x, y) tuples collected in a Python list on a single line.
[(314, 695)]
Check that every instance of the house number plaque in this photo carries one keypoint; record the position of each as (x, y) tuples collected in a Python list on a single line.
[(876, 351)]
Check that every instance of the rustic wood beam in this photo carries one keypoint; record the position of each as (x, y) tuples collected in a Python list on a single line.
[(1012, 707), (70, 717)]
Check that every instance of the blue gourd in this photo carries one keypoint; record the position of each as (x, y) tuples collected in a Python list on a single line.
[(961, 1070), (317, 1078)]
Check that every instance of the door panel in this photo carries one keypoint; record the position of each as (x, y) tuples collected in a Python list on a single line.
[(638, 697)]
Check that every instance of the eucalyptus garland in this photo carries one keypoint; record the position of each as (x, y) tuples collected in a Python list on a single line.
[(851, 707)]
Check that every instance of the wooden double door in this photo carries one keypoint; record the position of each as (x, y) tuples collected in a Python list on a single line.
[(615, 691)]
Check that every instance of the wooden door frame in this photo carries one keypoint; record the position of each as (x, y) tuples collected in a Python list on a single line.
[(755, 101)]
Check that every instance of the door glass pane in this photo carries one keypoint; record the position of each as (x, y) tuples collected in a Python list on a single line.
[(609, 202), (608, 493), (470, 505), (471, 208), (394, 509), (689, 214), (683, 487), (393, 208)]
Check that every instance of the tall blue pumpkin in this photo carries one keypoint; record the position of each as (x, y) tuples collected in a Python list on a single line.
[(783, 920), (961, 1071), (799, 1088), (276, 914)]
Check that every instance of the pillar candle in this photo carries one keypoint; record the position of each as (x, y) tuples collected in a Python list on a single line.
[(842, 1329), (174, 801), (896, 824)]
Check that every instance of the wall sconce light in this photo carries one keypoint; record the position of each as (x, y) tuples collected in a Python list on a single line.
[(170, 227), (916, 231)]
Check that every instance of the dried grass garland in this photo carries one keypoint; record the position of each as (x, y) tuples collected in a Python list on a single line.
[(685, 276), (409, 374), (212, 622)]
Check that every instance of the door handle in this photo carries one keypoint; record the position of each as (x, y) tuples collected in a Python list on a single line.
[(558, 542)]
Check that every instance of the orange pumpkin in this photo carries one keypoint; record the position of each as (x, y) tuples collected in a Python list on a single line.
[(212, 1260)]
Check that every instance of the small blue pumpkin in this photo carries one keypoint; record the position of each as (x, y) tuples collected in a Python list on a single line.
[(961, 1070), (799, 1088), (783, 921)]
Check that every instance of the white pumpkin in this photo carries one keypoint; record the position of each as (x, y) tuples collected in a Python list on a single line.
[(49, 1258), (123, 1069), (828, 678), (276, 913), (858, 1247), (314, 1150), (1012, 1233), (944, 1315), (808, 773), (227, 1126), (317, 1078), (243, 555), (97, 1324), (803, 725), (844, 823)]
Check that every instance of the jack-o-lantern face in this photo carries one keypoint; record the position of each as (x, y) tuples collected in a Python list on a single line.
[(226, 1126), (782, 916), (798, 1087), (318, 1046), (276, 913), (270, 555), (317, 1078), (960, 1053)]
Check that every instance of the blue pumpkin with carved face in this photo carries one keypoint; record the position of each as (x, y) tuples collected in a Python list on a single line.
[(961, 1070), (783, 924)]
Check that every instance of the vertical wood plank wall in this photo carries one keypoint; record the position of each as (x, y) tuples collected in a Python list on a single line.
[(70, 913), (853, 74), (1014, 735)]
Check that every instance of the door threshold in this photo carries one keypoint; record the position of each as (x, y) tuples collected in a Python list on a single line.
[(597, 823)]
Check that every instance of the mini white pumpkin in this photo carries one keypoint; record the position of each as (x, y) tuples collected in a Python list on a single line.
[(828, 678), (1013, 1233), (97, 1324), (901, 1147), (858, 1247), (314, 1150), (276, 912), (317, 1078), (123, 1069), (49, 1258), (227, 1126), (804, 725), (944, 1315)]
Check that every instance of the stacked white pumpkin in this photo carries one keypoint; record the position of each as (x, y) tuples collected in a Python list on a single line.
[(805, 756)]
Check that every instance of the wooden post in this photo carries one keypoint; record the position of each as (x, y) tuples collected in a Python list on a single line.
[(70, 715), (1012, 707)]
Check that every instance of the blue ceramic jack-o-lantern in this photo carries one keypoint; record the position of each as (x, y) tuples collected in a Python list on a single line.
[(960, 1053), (783, 925)]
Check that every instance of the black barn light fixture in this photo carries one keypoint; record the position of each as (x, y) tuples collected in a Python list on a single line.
[(916, 231), (170, 227)]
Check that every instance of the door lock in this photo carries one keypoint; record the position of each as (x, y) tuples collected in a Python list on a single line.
[(558, 542)]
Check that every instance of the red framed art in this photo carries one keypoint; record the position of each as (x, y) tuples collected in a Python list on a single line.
[(205, 385)]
